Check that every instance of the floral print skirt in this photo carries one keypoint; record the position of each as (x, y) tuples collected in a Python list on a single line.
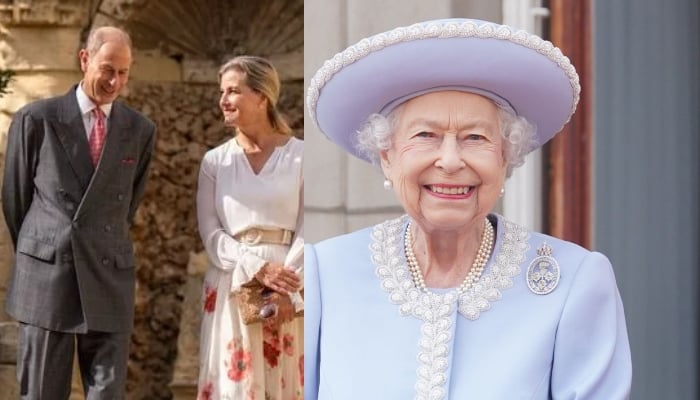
[(246, 362)]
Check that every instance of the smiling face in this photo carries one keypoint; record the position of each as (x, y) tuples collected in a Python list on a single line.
[(446, 159), (241, 105), (106, 71)]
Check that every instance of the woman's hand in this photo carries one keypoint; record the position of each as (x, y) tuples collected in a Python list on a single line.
[(279, 278)]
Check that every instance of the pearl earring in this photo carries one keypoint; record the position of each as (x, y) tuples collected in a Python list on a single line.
[(388, 184), (503, 191)]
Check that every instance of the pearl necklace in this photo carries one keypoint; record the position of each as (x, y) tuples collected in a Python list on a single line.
[(482, 256)]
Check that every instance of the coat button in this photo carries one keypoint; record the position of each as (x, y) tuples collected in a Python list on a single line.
[(70, 206), (105, 261), (120, 197), (108, 228), (76, 225)]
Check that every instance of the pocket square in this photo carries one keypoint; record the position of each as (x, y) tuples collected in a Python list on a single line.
[(128, 161)]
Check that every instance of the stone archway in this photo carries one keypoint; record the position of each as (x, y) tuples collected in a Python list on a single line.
[(178, 46)]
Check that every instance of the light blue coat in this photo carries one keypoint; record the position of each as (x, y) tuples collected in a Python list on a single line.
[(370, 334)]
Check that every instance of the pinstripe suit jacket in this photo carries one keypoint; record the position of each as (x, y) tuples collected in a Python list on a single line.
[(69, 221)]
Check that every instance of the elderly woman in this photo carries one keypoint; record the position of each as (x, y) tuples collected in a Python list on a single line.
[(249, 209), (452, 301)]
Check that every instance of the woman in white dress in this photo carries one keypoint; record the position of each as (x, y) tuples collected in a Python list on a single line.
[(249, 209)]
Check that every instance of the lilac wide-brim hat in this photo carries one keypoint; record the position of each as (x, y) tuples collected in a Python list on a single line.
[(514, 68)]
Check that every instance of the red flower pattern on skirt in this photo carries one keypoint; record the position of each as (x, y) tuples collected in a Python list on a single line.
[(207, 392), (209, 299), (271, 345), (241, 362), (288, 344)]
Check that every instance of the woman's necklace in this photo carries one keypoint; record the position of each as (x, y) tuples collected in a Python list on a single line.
[(482, 256)]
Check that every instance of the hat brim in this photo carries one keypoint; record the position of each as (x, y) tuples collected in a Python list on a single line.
[(530, 74)]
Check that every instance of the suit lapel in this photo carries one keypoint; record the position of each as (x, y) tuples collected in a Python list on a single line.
[(71, 133)]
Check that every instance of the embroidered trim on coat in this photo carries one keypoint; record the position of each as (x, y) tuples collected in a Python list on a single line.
[(435, 310)]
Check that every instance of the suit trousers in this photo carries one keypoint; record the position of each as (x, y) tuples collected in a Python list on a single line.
[(45, 363)]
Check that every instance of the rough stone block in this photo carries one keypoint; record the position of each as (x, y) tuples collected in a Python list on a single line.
[(27, 49), (8, 382), (202, 71), (26, 88), (8, 343), (186, 369), (154, 67), (184, 392)]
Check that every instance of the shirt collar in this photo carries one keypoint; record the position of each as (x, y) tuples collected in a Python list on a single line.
[(86, 105)]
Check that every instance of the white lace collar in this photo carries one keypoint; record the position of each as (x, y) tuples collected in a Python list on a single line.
[(389, 258)]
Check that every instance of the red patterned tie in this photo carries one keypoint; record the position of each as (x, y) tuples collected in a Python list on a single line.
[(97, 136)]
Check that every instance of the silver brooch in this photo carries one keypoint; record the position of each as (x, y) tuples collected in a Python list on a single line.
[(543, 272)]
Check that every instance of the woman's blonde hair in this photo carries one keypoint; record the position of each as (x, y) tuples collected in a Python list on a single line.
[(261, 76)]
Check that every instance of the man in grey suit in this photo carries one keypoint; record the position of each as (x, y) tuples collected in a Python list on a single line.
[(75, 170)]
